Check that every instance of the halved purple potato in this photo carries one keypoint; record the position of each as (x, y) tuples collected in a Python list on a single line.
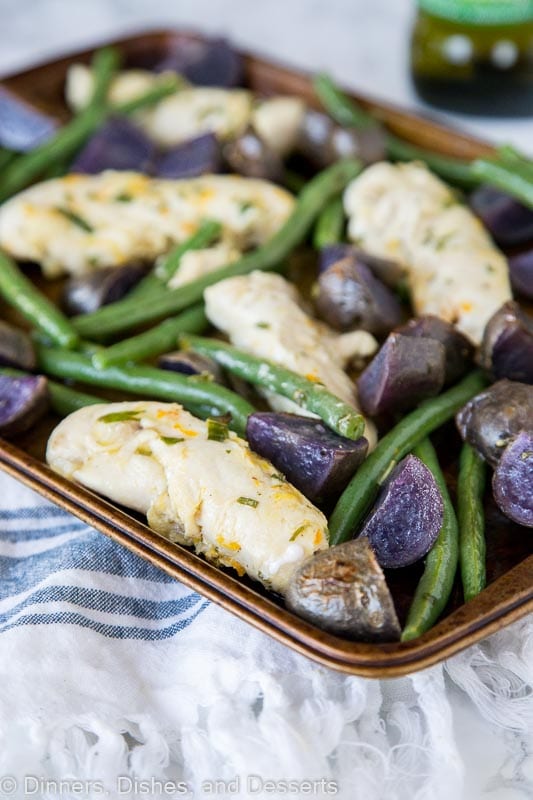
[(87, 293), (189, 363), (16, 348), (404, 371), (315, 460), (512, 482), (22, 127), (459, 350), (211, 62), (407, 517), (507, 346), (496, 416), (118, 145), (349, 297), (322, 142), (22, 402), (521, 273), (388, 272), (508, 221), (198, 156), (249, 155), (343, 591)]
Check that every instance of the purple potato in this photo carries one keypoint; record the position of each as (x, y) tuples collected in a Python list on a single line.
[(318, 462), (85, 294), (23, 401), (198, 156), (350, 297), (495, 417), (388, 272), (210, 62), (508, 221), (22, 127), (188, 363), (521, 273), (322, 142), (507, 346), (16, 348), (459, 350), (249, 155), (512, 482), (119, 145), (407, 517), (343, 591), (405, 371)]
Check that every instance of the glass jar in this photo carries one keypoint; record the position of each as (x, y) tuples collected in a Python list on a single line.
[(475, 56)]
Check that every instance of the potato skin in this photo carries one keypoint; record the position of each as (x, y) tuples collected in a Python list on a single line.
[(343, 591)]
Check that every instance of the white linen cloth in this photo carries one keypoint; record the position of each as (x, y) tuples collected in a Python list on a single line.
[(115, 678)]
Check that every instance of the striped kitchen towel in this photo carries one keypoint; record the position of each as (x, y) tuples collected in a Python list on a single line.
[(117, 681)]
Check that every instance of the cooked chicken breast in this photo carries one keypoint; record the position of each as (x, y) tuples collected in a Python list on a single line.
[(262, 314), (404, 212), (217, 496), (78, 223), (187, 113)]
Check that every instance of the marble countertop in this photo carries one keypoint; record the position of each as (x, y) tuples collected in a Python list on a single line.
[(363, 44)]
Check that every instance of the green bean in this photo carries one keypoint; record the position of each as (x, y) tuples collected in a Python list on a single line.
[(435, 585), (192, 391), (329, 226), (336, 414), (346, 112), (341, 107), (154, 284), (157, 340), (470, 489), (356, 499), (6, 156), (104, 66), (63, 399), (22, 294), (69, 139), (319, 190), (509, 177)]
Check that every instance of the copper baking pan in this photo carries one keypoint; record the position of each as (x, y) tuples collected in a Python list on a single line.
[(509, 594)]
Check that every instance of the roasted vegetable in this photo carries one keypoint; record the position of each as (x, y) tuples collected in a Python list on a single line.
[(343, 591), (198, 156), (388, 272), (22, 402), (249, 155), (116, 145), (398, 442), (87, 293), (512, 482), (309, 455), (405, 371), (458, 349), (493, 418), (507, 346), (22, 126), (350, 297), (188, 363), (16, 349), (211, 62), (471, 517), (322, 142), (521, 272), (508, 220), (407, 517)]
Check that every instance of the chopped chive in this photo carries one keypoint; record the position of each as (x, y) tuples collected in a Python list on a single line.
[(245, 206), (248, 501), (279, 477), (172, 439), (123, 197), (262, 325), (217, 431), (119, 416), (75, 219), (143, 451), (298, 531)]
